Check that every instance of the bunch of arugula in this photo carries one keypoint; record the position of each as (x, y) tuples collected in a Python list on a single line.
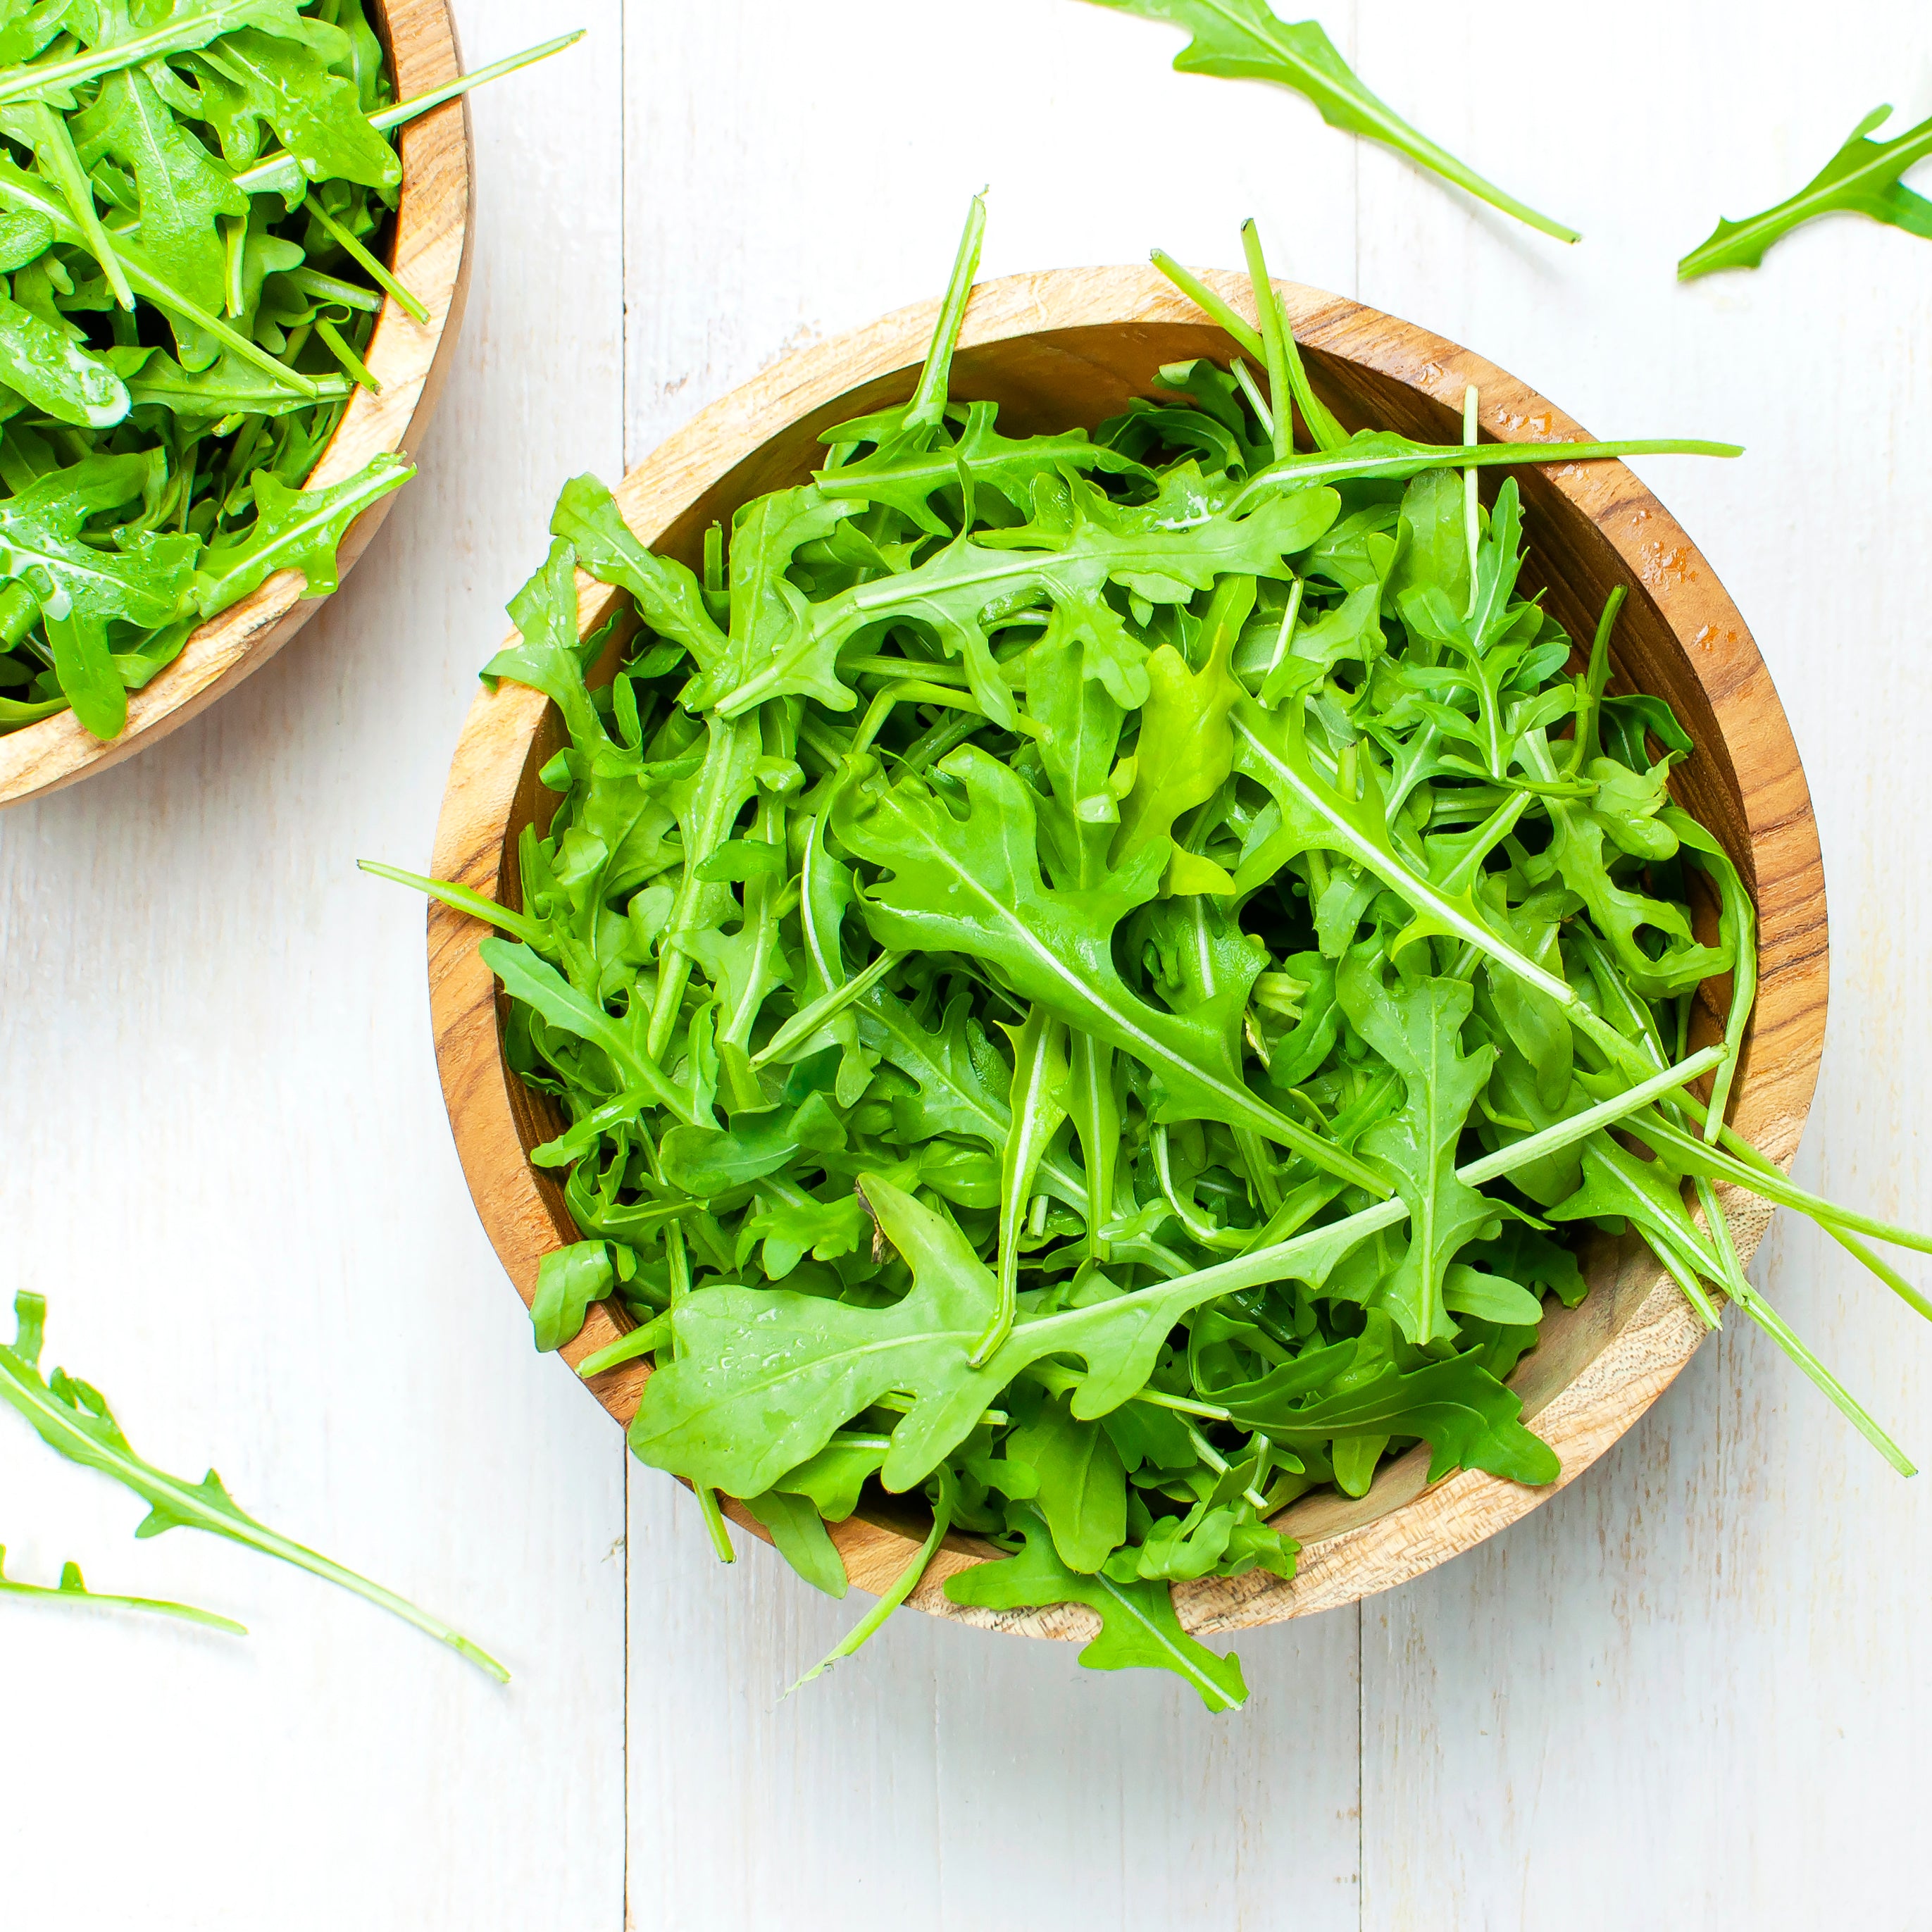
[(182, 320), (1094, 976)]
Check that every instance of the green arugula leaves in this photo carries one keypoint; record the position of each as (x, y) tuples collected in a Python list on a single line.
[(168, 296), (1084, 983)]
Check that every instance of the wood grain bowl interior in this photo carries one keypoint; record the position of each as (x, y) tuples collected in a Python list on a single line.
[(429, 250), (1069, 348)]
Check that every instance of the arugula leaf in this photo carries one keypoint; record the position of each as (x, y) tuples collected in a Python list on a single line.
[(183, 195), (1862, 177), (115, 42), (1242, 39), (1416, 1026), (287, 83), (1138, 1629), (54, 372), (294, 529), (1082, 1483), (568, 1281), (74, 1420), (1071, 553), (73, 1588), (798, 1532)]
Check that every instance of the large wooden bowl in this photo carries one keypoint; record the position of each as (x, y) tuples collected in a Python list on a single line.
[(1059, 350), (429, 253)]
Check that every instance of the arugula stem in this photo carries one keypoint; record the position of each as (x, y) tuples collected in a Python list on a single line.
[(461, 898), (54, 146), (1288, 381), (1739, 1288), (1769, 1184), (1219, 1464), (807, 1020), (371, 266), (1189, 1216), (283, 173), (902, 1587), (927, 409), (72, 1589), (714, 1522), (1263, 408), (1472, 520), (1269, 312), (1203, 297), (1284, 640), (1366, 459), (338, 346)]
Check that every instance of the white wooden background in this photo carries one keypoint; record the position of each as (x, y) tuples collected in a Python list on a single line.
[(1690, 1691)]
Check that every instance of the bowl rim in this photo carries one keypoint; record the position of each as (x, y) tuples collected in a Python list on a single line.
[(1405, 1525), (431, 253)]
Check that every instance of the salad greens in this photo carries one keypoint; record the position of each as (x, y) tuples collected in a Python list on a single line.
[(1862, 177), (1100, 976), (182, 320), (1243, 40), (74, 1419)]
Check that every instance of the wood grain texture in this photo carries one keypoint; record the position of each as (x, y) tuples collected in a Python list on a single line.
[(1069, 347), (430, 252)]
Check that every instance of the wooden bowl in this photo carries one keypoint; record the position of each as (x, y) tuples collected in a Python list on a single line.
[(1069, 348), (430, 254)]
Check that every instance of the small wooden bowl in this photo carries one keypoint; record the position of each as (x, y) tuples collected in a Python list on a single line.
[(1069, 348), (431, 256)]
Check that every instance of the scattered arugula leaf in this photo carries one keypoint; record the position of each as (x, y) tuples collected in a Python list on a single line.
[(1862, 177), (1242, 39), (73, 1588), (74, 1420)]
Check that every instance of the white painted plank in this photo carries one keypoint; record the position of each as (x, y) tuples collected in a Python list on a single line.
[(944, 1764), (228, 1168), (1682, 1693), (797, 171), (794, 172)]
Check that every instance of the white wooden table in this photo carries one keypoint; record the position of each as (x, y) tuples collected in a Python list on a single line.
[(1689, 1692)]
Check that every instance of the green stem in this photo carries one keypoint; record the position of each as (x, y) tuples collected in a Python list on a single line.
[(56, 147), (1472, 522), (461, 898), (72, 1589), (356, 368), (1280, 392), (927, 405), (1754, 1305), (807, 1020), (1204, 298), (370, 264), (903, 1586), (282, 173)]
